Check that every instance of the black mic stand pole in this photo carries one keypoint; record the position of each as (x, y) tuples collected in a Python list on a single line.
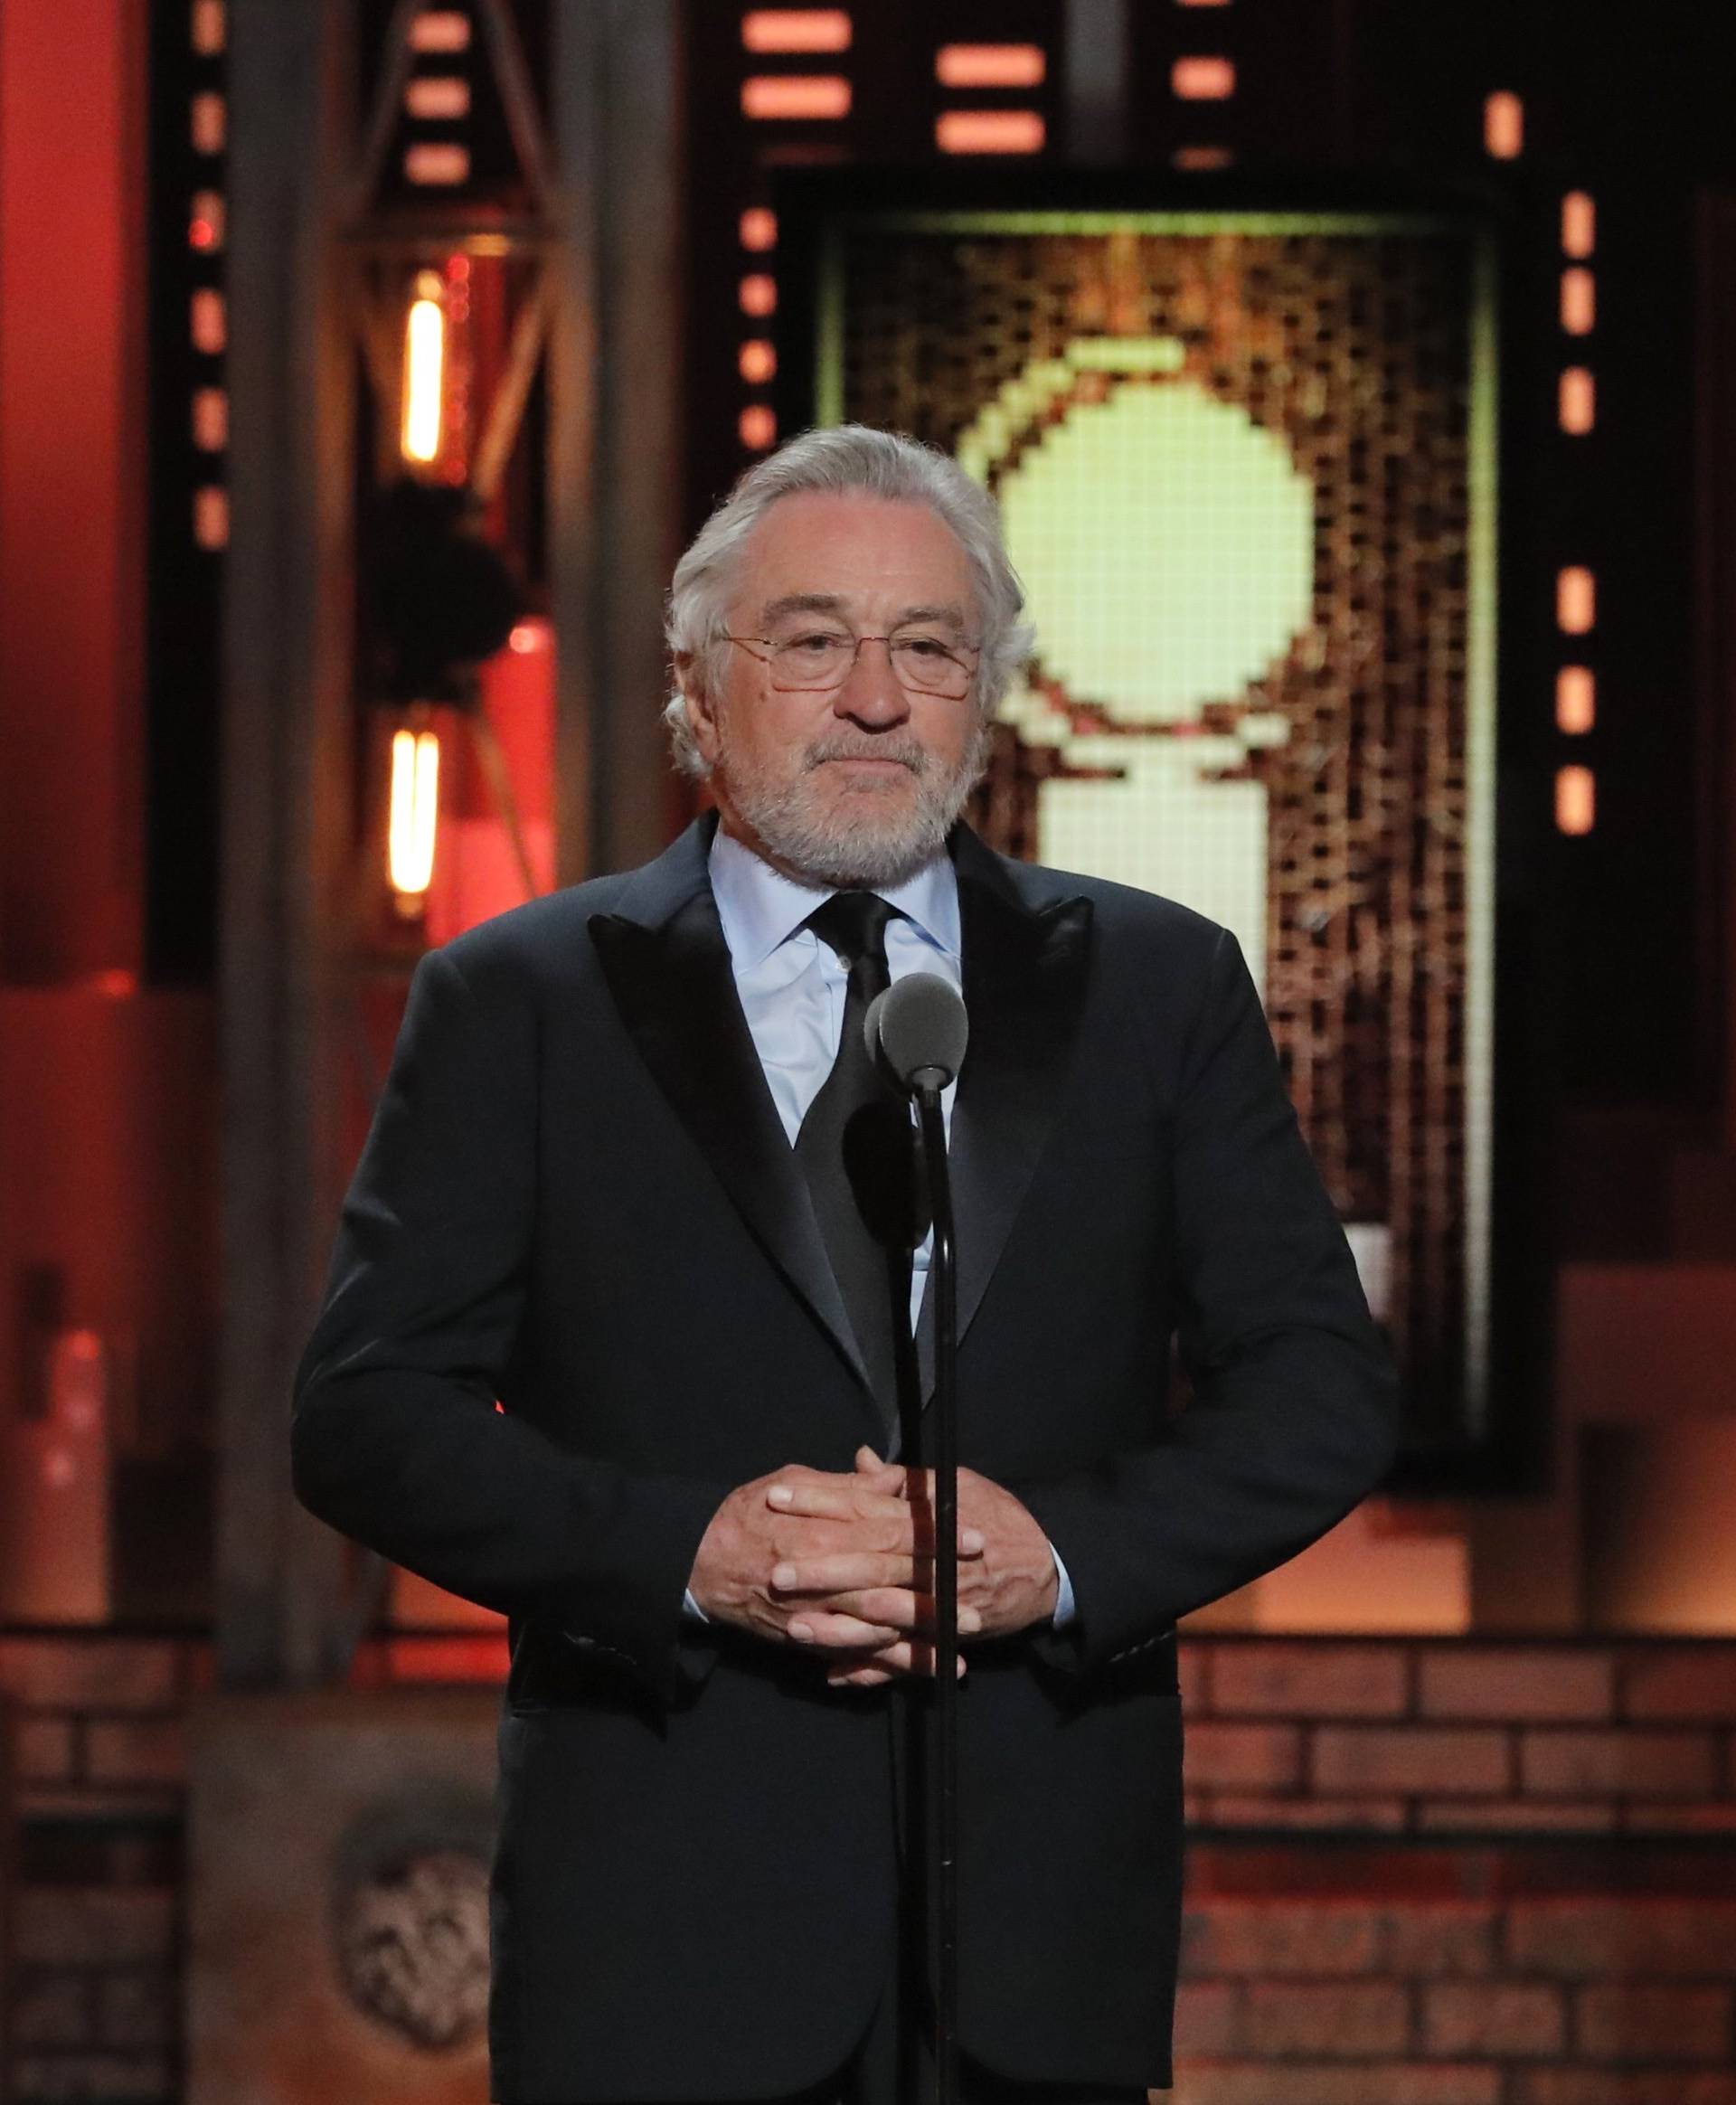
[(943, 1281)]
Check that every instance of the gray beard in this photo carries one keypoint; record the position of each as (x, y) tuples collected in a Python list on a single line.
[(865, 850)]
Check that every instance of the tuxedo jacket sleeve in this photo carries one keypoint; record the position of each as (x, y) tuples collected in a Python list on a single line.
[(1294, 1411), (396, 1439)]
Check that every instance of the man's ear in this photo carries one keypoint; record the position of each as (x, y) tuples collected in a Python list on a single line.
[(702, 714)]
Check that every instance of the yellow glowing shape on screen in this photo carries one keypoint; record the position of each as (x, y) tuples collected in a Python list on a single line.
[(1166, 543)]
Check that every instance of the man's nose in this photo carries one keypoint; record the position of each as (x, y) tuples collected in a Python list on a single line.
[(870, 692)]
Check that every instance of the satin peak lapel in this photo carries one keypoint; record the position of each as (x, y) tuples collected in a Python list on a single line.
[(1024, 974), (675, 991)]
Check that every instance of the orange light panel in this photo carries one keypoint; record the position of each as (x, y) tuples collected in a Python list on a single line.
[(210, 419), (1202, 157), (205, 227), (208, 123), (798, 29), (758, 294), (424, 371), (211, 516), (434, 164), (758, 362), (440, 29), (412, 823), (1504, 125), (1576, 700), (758, 229), (210, 27), (990, 65), (1579, 302), (1576, 799), (779, 96), (989, 131), (1576, 601), (1579, 401), (1579, 224), (434, 96), (1201, 80), (756, 428), (210, 322)]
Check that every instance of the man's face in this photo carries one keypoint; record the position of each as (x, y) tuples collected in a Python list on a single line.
[(858, 785)]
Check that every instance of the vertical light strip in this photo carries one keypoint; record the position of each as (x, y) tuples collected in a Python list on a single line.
[(1480, 740), (1576, 601), (1578, 405), (1504, 127), (414, 813), (1576, 799), (1579, 225), (1579, 302), (1576, 700)]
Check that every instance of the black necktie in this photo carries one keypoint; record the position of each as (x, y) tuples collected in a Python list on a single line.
[(857, 1148)]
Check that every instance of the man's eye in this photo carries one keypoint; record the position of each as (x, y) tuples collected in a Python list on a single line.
[(924, 646), (816, 645)]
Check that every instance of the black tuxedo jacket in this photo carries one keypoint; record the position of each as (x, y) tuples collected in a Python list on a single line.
[(576, 1198)]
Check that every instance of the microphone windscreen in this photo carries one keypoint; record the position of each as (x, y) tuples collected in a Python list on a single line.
[(919, 1028)]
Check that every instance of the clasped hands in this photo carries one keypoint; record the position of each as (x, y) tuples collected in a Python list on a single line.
[(843, 1564)]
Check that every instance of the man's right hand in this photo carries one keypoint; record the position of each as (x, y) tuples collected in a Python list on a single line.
[(750, 1538)]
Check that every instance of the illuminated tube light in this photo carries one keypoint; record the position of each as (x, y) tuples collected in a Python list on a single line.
[(987, 65), (989, 131), (1579, 224), (424, 370), (1576, 601), (1203, 79), (795, 95), (1504, 127), (1579, 302), (1576, 700), (415, 811), (759, 228), (1578, 401), (809, 29), (1576, 799)]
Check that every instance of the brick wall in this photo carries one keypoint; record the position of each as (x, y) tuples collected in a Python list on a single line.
[(1422, 1872), (1444, 1872), (93, 1981)]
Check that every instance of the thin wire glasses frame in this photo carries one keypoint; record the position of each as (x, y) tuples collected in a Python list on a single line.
[(819, 661)]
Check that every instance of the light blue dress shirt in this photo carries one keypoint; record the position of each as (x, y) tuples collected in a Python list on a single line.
[(792, 987)]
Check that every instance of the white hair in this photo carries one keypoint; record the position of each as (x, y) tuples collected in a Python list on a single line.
[(841, 461)]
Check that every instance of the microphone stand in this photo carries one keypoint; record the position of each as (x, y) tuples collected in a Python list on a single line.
[(942, 1281)]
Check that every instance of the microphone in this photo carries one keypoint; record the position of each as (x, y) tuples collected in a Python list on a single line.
[(917, 1032)]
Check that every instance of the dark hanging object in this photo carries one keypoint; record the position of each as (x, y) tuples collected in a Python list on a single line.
[(440, 598)]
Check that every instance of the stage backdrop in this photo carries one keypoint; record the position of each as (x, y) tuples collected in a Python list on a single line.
[(1246, 462)]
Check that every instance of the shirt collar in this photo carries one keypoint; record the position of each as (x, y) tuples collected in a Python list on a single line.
[(760, 908)]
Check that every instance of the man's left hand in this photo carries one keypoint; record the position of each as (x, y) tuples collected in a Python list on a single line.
[(1010, 1586)]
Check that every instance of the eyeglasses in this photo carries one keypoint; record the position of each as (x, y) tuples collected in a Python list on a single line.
[(820, 660)]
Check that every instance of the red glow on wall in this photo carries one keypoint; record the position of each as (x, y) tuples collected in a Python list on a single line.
[(476, 872)]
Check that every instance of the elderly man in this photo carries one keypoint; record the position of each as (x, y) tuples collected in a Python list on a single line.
[(612, 1185)]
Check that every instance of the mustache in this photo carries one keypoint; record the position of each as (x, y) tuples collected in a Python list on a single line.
[(907, 755)]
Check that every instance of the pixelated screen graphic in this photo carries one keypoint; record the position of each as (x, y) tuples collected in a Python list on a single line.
[(1245, 464)]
